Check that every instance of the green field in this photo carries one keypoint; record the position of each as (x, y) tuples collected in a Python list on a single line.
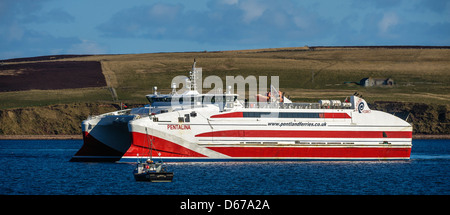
[(421, 75)]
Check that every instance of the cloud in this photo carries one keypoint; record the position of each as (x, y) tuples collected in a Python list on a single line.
[(379, 4), (438, 6), (29, 11), (12, 32), (18, 39), (391, 29), (232, 22), (393, 23), (229, 2), (388, 21), (57, 15), (164, 12), (143, 21), (421, 33), (252, 10), (30, 28), (87, 47), (33, 43)]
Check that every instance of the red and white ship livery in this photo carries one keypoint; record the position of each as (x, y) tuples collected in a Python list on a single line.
[(219, 127)]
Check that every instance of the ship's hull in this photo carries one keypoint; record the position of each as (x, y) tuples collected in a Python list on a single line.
[(154, 176), (105, 138), (170, 151)]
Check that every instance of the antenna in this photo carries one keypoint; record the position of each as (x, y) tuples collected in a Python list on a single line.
[(193, 65), (174, 87), (193, 77), (193, 81)]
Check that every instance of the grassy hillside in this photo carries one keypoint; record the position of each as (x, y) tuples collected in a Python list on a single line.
[(421, 75)]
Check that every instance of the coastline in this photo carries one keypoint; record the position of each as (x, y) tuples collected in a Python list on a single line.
[(431, 136), (41, 137), (80, 137)]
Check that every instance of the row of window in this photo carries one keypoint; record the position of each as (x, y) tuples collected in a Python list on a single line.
[(282, 115), (192, 99)]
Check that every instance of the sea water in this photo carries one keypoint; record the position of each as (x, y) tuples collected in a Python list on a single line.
[(42, 167)]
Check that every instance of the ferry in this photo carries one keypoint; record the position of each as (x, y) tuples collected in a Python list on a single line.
[(196, 127)]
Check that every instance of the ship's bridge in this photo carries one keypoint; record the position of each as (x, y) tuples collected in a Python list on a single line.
[(174, 102)]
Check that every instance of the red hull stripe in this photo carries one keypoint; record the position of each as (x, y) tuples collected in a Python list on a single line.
[(140, 145), (314, 152), (320, 115), (307, 134), (229, 115), (336, 115)]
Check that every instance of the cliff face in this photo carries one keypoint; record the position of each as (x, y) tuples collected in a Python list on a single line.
[(65, 119), (425, 118)]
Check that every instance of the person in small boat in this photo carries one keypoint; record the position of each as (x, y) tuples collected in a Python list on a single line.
[(150, 164)]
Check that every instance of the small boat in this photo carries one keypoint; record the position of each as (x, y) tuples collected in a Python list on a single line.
[(151, 171)]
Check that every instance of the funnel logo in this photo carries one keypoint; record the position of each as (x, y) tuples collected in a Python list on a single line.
[(360, 107)]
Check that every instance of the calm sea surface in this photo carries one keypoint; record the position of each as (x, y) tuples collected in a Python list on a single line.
[(40, 167)]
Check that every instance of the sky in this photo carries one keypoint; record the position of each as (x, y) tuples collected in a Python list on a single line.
[(51, 27)]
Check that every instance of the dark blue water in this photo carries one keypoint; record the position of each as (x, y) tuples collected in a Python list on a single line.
[(39, 167)]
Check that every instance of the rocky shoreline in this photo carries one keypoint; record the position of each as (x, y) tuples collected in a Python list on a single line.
[(431, 136), (41, 137)]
